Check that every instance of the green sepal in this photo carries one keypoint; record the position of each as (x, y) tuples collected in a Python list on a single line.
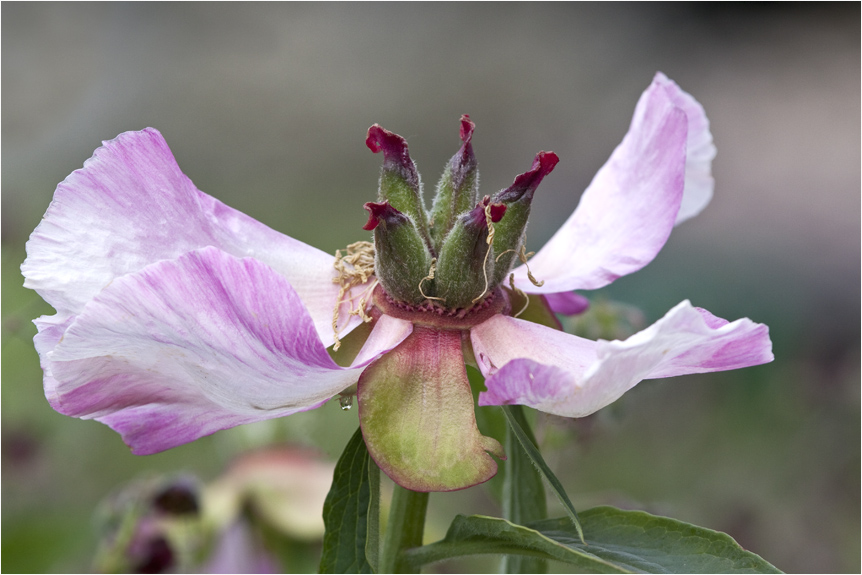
[(351, 513), (351, 344), (535, 309), (458, 188)]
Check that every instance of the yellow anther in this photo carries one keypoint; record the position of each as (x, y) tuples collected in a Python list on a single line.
[(353, 269)]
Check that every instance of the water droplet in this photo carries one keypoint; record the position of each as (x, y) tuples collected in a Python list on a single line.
[(346, 402)]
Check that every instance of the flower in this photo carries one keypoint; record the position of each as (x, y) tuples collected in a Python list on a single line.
[(177, 316)]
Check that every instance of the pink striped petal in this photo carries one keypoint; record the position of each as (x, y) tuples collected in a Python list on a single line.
[(566, 375), (187, 347), (131, 206), (628, 211)]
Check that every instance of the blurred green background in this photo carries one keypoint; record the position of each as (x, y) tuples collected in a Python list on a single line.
[(265, 107)]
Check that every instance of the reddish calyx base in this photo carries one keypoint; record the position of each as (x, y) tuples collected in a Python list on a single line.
[(434, 315)]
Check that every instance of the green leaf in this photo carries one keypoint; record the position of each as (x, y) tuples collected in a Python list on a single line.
[(619, 542), (523, 493), (351, 513), (544, 470)]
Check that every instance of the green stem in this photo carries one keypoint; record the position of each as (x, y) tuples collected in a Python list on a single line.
[(404, 530)]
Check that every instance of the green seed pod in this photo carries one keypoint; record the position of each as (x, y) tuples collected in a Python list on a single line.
[(517, 198), (400, 184), (402, 259), (466, 264), (458, 188)]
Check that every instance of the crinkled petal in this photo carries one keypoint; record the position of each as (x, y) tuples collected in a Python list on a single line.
[(186, 347), (567, 375), (628, 211), (131, 206)]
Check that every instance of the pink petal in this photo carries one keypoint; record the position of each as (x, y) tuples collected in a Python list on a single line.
[(567, 302), (528, 363), (628, 211), (722, 345), (187, 347), (131, 206), (700, 151), (570, 376)]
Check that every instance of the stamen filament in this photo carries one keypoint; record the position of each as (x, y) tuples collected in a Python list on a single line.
[(430, 276), (489, 240), (520, 292)]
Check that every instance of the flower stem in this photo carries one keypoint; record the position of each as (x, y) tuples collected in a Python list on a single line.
[(404, 530)]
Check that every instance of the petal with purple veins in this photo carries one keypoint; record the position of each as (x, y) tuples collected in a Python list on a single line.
[(566, 375), (186, 347)]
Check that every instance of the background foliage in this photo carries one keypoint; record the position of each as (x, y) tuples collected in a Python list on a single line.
[(266, 108)]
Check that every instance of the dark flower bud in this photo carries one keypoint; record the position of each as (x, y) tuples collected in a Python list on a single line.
[(458, 188), (402, 260), (179, 498)]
